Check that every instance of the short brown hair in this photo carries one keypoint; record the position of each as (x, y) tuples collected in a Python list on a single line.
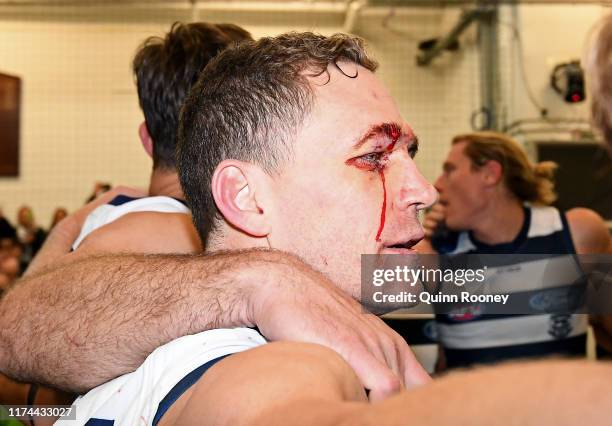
[(598, 65), (248, 105), (529, 182), (166, 68)]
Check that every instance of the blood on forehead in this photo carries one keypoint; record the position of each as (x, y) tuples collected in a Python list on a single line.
[(392, 132)]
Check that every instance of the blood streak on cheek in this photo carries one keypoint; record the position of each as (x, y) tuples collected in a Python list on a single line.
[(384, 205), (380, 170)]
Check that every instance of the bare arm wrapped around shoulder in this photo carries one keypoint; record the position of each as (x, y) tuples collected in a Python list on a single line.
[(80, 324)]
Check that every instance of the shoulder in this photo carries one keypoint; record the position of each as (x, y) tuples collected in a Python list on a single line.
[(589, 231), (544, 221), (145, 232), (122, 204)]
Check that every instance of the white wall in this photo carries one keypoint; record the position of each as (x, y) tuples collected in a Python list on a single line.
[(80, 111)]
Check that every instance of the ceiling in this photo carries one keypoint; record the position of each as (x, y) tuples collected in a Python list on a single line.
[(319, 13)]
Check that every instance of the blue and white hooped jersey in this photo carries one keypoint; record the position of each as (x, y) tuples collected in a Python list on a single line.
[(474, 337), (144, 396), (122, 205)]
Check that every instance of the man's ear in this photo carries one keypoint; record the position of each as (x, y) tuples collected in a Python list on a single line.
[(145, 138), (493, 172), (235, 187)]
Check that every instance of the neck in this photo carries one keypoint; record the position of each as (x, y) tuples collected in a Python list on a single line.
[(227, 237), (500, 222), (165, 182)]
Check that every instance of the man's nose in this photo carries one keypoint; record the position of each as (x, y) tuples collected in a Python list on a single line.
[(416, 191)]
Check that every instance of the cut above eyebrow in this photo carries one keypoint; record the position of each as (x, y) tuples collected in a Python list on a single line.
[(383, 129)]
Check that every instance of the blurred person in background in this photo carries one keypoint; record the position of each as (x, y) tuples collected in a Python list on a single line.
[(98, 189), (13, 392), (30, 235), (58, 215), (10, 253), (493, 200), (6, 229)]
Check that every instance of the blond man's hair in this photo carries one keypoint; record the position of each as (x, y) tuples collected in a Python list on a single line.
[(529, 182)]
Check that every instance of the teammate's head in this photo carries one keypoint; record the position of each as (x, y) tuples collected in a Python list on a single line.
[(292, 143), (483, 165), (165, 69), (599, 73)]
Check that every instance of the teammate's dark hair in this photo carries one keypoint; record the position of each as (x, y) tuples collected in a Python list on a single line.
[(166, 68)]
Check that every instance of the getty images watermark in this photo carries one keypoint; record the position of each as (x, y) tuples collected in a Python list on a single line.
[(412, 277), (496, 284)]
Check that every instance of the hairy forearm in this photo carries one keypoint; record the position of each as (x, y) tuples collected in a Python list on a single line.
[(79, 325)]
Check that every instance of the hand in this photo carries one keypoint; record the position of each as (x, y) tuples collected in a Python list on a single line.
[(433, 218), (303, 305)]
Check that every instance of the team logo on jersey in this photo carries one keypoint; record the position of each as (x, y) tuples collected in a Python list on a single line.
[(552, 300), (560, 326)]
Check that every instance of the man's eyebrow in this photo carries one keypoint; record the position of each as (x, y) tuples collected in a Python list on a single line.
[(391, 130)]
